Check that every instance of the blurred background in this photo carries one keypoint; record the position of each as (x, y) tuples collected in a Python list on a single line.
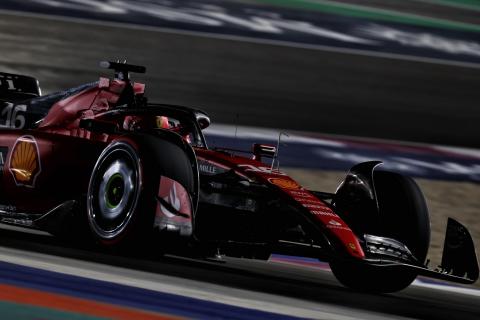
[(403, 70), (349, 80)]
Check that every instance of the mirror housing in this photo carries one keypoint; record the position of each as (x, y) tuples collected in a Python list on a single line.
[(263, 150), (203, 121)]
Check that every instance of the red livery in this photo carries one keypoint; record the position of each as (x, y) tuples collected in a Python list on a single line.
[(101, 162)]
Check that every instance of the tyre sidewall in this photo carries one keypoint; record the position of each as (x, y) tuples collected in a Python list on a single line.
[(156, 158), (404, 217)]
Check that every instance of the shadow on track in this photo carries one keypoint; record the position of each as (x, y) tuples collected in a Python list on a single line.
[(273, 278)]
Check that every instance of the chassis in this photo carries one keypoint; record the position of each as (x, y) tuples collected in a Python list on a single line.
[(99, 161)]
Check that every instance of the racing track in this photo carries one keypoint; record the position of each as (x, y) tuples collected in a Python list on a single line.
[(332, 91), (313, 290)]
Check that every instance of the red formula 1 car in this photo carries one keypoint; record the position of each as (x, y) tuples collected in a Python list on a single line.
[(100, 160)]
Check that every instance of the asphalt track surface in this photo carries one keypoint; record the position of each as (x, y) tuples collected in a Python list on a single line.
[(316, 291), (330, 91)]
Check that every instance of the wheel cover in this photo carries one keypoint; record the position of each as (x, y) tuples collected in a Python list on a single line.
[(113, 190)]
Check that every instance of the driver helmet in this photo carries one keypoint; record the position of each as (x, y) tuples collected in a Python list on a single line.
[(162, 122)]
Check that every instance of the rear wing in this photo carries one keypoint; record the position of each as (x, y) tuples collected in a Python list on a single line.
[(14, 87)]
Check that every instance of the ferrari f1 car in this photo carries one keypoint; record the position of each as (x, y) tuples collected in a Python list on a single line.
[(100, 160)]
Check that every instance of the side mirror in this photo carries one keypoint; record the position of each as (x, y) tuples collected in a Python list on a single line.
[(203, 121), (263, 150)]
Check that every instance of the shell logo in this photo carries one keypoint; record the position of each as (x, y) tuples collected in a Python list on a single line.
[(285, 183), (25, 162)]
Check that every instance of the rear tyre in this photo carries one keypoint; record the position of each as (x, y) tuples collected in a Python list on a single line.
[(114, 193), (123, 189), (404, 217)]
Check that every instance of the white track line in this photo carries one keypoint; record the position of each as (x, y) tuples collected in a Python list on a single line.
[(245, 132), (331, 140)]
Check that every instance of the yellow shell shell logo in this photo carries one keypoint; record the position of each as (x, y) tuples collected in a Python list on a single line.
[(24, 162)]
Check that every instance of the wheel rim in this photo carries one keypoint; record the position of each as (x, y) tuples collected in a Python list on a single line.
[(114, 190)]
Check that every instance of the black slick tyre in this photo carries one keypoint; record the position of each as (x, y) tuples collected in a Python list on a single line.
[(123, 188), (114, 193), (403, 217)]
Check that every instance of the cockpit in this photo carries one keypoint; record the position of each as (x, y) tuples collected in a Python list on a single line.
[(185, 126)]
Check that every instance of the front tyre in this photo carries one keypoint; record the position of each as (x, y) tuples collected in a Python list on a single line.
[(403, 217), (372, 279)]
